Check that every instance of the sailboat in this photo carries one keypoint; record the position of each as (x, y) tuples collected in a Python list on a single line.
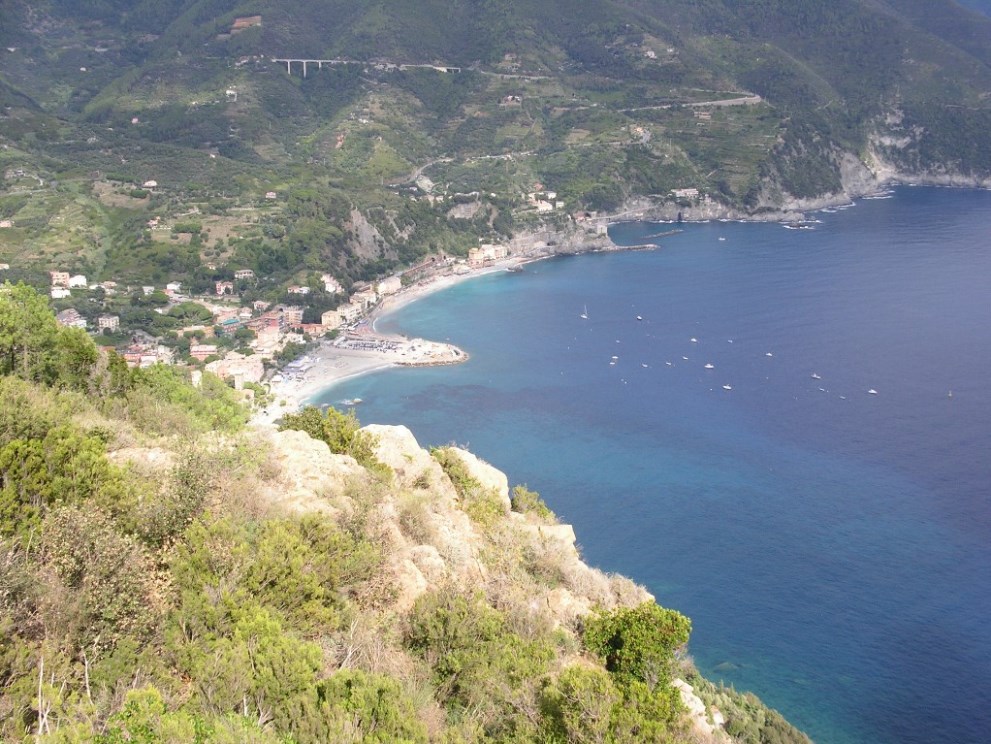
[(584, 315)]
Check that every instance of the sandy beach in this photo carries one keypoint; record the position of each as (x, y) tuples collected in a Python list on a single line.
[(367, 350)]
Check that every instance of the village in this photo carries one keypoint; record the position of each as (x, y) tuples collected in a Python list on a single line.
[(272, 332)]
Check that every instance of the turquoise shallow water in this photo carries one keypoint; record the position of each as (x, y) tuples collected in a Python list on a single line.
[(832, 547)]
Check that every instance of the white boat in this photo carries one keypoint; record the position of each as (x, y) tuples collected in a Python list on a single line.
[(872, 391), (584, 315), (639, 317), (768, 354), (694, 340), (727, 387), (615, 357), (815, 376), (710, 366), (643, 364), (350, 401), (722, 238)]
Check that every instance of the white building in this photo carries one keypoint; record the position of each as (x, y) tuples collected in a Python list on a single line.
[(389, 286), (60, 293)]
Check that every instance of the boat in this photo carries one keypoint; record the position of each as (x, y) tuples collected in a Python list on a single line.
[(710, 366), (615, 357), (722, 238), (872, 391), (694, 340), (639, 317), (815, 376), (584, 315), (643, 364), (769, 354), (350, 401), (727, 387)]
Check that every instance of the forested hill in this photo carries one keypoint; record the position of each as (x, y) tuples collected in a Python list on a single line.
[(753, 105)]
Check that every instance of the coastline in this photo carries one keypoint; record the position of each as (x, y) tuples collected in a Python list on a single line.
[(333, 363)]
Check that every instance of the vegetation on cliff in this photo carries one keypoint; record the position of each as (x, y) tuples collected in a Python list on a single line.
[(167, 575)]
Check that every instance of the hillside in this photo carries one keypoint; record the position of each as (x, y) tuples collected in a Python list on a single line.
[(546, 109), (169, 574)]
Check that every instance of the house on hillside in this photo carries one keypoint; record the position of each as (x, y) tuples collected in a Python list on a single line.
[(60, 293), (244, 23), (108, 322), (59, 278), (77, 281), (292, 315), (298, 290), (224, 288), (244, 274), (330, 284)]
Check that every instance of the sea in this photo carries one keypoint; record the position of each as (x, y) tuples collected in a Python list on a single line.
[(783, 433)]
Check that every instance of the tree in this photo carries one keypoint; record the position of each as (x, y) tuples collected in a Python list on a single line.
[(28, 333), (638, 644)]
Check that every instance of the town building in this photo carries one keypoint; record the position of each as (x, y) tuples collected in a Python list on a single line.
[(202, 351), (331, 319), (685, 193), (59, 278), (485, 254), (173, 288), (108, 322), (292, 315), (60, 293), (296, 289), (78, 281), (365, 297), (389, 286), (223, 288), (351, 312), (242, 274)]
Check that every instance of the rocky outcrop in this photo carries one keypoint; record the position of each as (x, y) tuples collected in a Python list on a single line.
[(311, 478), (490, 479)]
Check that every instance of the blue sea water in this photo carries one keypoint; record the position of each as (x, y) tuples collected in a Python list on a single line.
[(832, 546)]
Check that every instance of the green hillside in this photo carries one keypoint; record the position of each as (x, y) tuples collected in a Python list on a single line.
[(754, 104)]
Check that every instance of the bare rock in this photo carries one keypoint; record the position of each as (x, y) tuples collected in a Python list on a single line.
[(311, 473), (428, 560), (413, 465)]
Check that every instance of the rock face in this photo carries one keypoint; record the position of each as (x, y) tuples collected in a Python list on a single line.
[(488, 476), (311, 476), (397, 447)]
